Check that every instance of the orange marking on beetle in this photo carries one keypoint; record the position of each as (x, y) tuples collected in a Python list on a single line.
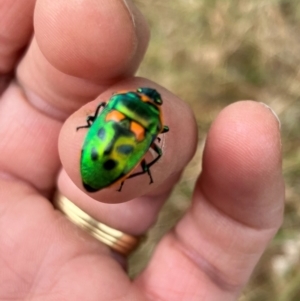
[(144, 98), (121, 92), (138, 130), (114, 116)]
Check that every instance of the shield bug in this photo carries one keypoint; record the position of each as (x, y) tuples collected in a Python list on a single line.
[(119, 135)]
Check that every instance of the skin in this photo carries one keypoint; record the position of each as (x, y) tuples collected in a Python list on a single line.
[(71, 65)]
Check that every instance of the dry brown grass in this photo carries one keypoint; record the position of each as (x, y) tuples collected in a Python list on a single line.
[(215, 52)]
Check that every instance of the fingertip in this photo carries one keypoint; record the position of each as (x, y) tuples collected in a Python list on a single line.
[(86, 38), (177, 147), (242, 162), (248, 135)]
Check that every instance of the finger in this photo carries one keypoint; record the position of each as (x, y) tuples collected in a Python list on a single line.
[(15, 32), (134, 217), (31, 118), (80, 48), (43, 254), (178, 146), (257, 166), (237, 208)]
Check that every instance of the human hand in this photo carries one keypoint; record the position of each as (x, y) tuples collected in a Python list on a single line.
[(85, 50)]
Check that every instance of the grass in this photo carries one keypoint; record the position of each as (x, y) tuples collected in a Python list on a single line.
[(215, 52)]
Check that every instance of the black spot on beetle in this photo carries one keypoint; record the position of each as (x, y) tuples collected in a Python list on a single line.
[(108, 148), (94, 154), (125, 149), (125, 123), (89, 188), (120, 130), (101, 133), (110, 164)]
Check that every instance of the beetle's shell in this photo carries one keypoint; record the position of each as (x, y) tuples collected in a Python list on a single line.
[(112, 147)]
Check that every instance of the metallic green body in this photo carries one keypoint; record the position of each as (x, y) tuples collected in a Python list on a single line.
[(111, 149)]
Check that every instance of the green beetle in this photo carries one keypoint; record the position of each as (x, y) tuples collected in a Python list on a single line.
[(119, 137)]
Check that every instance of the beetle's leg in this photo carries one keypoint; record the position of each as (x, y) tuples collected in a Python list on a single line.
[(89, 121), (122, 183), (158, 150), (146, 169), (100, 105), (91, 118), (165, 130), (145, 166)]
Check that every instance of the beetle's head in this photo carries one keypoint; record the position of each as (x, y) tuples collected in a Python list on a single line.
[(152, 94)]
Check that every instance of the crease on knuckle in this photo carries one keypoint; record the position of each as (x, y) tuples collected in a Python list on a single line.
[(215, 275)]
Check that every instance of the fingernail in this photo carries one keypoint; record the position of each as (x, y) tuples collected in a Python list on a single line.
[(273, 112), (129, 7)]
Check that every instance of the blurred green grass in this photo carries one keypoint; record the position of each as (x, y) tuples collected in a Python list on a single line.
[(212, 53)]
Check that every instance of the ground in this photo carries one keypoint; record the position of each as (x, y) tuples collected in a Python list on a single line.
[(212, 53)]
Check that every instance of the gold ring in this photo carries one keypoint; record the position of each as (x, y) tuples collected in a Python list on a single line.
[(115, 239)]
